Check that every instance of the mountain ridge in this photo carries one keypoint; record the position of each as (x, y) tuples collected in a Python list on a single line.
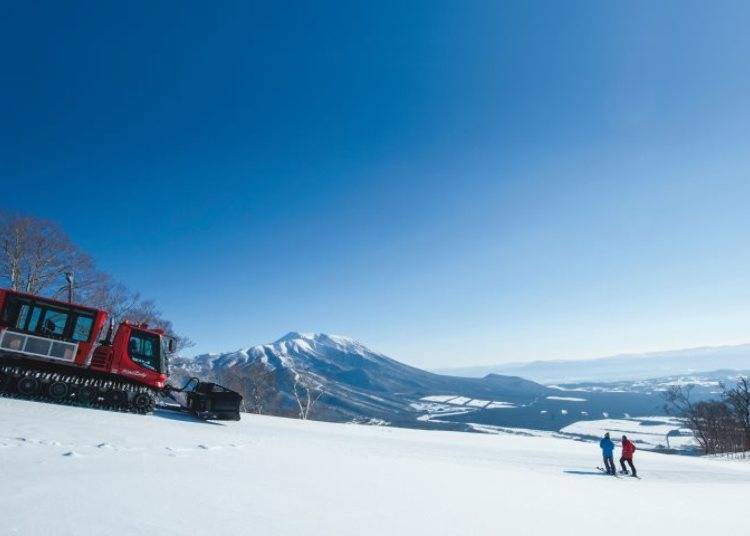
[(627, 366)]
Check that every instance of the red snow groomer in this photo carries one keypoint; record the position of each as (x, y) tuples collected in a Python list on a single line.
[(68, 353)]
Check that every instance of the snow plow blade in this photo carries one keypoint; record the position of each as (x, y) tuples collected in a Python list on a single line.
[(215, 402)]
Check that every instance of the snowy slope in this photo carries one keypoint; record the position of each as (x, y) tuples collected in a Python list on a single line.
[(75, 471)]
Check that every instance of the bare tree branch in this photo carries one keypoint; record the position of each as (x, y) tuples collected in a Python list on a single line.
[(35, 255), (306, 394)]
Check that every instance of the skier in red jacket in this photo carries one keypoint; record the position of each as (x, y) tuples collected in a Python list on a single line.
[(628, 449)]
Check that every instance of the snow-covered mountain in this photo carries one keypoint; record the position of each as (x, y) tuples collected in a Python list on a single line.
[(354, 382)]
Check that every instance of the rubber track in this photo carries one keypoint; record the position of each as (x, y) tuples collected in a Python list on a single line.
[(105, 392)]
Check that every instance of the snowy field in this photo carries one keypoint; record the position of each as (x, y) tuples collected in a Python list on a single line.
[(646, 432), (454, 400), (566, 398), (71, 471), (441, 406)]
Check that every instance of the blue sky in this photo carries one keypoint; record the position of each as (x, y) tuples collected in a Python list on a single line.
[(451, 183)]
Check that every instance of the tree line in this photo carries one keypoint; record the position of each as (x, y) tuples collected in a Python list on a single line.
[(36, 255), (721, 426)]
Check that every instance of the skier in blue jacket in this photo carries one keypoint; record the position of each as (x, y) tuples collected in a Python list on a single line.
[(608, 448)]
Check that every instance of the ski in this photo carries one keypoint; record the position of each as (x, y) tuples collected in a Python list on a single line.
[(603, 470)]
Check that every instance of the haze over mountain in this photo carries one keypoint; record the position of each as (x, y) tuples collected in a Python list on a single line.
[(621, 367)]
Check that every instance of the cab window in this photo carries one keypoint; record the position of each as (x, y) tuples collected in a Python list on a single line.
[(143, 348), (34, 320), (22, 316), (82, 328), (49, 320), (54, 323)]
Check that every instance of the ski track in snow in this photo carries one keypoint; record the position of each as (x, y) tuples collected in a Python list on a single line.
[(84, 472)]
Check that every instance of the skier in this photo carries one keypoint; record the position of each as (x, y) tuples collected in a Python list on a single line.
[(628, 449), (608, 449)]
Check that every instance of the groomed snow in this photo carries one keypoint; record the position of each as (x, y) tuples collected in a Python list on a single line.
[(72, 471)]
